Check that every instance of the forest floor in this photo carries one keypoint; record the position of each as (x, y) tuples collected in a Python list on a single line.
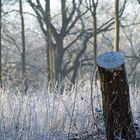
[(45, 115)]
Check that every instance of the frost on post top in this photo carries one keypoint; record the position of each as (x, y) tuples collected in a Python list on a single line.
[(111, 60)]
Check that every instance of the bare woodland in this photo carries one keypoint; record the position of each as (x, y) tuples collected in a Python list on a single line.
[(48, 49), (65, 40)]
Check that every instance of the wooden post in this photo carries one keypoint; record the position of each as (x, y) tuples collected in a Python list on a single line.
[(115, 97)]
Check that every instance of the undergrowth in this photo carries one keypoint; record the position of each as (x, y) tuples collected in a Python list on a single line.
[(45, 115)]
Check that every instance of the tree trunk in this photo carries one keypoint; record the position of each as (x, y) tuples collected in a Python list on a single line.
[(23, 39), (23, 54), (117, 22), (94, 15), (115, 96), (50, 50), (59, 54), (0, 47)]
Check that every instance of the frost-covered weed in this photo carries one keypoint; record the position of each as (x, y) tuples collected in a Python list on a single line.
[(45, 115)]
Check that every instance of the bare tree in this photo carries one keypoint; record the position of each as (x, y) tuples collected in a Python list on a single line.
[(23, 53), (71, 25), (49, 48), (93, 10), (23, 39), (69, 19), (132, 55), (116, 36), (138, 1), (0, 44)]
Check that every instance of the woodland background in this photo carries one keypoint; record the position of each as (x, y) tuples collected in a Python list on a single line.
[(29, 52), (48, 51)]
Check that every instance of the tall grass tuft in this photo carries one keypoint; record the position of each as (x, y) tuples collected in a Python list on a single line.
[(45, 115)]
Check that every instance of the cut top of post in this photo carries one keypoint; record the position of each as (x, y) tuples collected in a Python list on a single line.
[(110, 60)]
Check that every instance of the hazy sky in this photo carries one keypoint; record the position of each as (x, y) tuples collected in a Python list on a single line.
[(55, 5)]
